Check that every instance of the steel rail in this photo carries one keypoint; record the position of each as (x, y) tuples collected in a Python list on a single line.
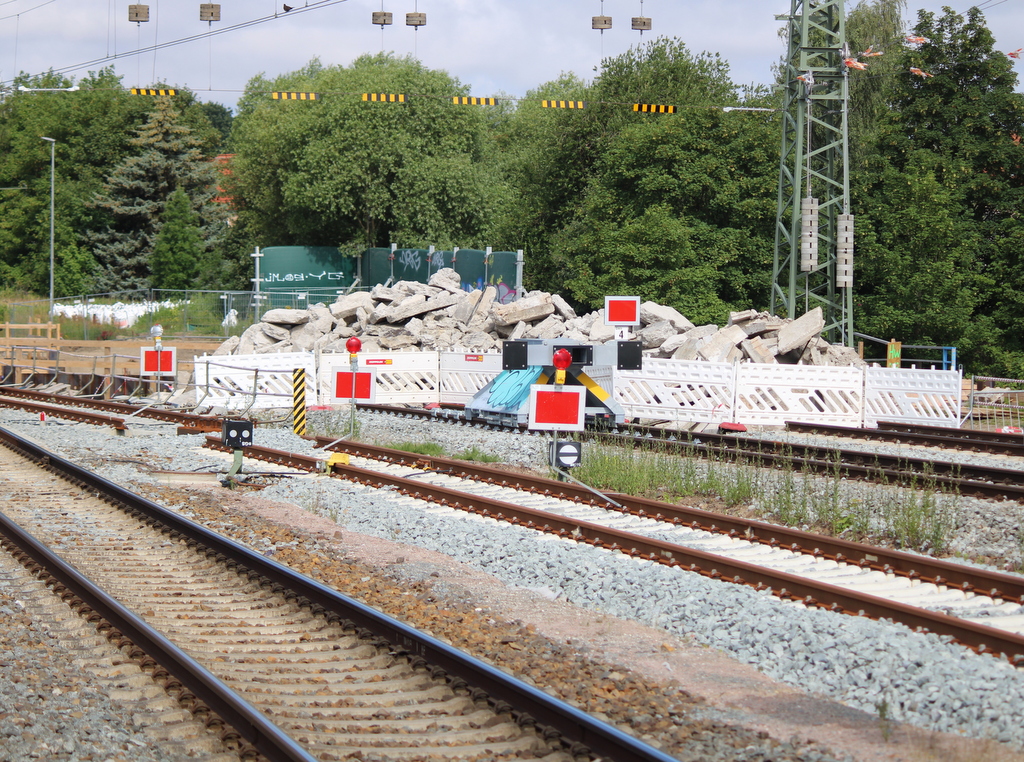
[(930, 437), (191, 422), (782, 584), (979, 481), (936, 571), (264, 736), (55, 411), (998, 437), (530, 704)]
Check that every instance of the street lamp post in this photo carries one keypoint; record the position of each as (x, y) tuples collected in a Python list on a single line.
[(53, 145)]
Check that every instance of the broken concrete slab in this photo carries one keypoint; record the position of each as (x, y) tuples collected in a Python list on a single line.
[(286, 317), (652, 312), (529, 309), (801, 330), (720, 345), (756, 350)]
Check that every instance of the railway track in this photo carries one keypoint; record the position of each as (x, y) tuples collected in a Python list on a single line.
[(815, 571), (973, 480), (277, 664), (949, 476)]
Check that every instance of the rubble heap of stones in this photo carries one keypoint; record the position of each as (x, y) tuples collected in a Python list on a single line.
[(440, 315)]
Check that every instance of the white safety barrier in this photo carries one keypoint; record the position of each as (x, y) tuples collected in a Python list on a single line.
[(238, 382), (912, 395), (770, 395), (675, 391), (463, 374)]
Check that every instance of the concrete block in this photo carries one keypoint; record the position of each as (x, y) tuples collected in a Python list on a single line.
[(274, 333), (228, 346), (735, 318), (549, 328), (562, 307), (801, 330), (467, 305), (656, 334), (519, 331), (446, 279), (529, 309), (599, 332), (381, 293), (286, 317), (720, 345), (652, 312), (398, 342), (844, 356), (756, 350), (303, 336), (348, 304)]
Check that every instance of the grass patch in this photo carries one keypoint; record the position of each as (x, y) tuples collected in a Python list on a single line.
[(474, 453), (916, 517), (420, 448)]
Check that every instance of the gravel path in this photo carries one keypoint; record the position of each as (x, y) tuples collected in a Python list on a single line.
[(871, 666)]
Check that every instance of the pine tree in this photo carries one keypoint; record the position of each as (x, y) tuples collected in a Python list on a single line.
[(168, 158), (178, 251)]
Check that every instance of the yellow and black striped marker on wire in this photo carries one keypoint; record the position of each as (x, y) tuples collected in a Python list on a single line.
[(653, 108), (384, 97), (563, 104), (151, 91), (299, 401), (290, 96), (466, 100)]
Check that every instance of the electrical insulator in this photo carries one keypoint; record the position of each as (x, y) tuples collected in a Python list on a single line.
[(642, 23), (844, 251), (209, 11), (415, 19), (808, 234), (138, 13), (382, 18), (601, 22)]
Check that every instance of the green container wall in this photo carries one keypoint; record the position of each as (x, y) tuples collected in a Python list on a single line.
[(419, 264), (295, 268)]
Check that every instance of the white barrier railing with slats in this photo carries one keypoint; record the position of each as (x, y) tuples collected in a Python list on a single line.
[(238, 382), (912, 395), (664, 390)]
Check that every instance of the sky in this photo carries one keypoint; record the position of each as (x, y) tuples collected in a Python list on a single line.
[(497, 47)]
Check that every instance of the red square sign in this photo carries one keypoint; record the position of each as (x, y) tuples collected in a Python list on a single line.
[(157, 362), (557, 408), (343, 385), (622, 310)]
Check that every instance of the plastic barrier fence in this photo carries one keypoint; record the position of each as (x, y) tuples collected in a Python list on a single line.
[(674, 391)]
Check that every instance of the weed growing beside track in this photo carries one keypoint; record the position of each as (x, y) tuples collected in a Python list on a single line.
[(916, 517)]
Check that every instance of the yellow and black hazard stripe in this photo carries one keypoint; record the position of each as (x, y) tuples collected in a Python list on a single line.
[(290, 96), (299, 401), (651, 108), (151, 91), (384, 97), (562, 104), (463, 100)]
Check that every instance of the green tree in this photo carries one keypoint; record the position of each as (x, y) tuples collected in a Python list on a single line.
[(352, 173), (951, 127), (168, 157), (554, 156), (178, 251), (679, 211), (93, 127)]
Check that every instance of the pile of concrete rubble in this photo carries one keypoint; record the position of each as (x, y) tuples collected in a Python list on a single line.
[(440, 315)]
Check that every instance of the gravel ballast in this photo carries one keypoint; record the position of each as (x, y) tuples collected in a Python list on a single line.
[(874, 666)]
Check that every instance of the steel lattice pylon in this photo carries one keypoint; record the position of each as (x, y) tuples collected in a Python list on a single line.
[(814, 163)]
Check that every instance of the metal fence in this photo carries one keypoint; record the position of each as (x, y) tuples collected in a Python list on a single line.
[(995, 404), (180, 313)]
